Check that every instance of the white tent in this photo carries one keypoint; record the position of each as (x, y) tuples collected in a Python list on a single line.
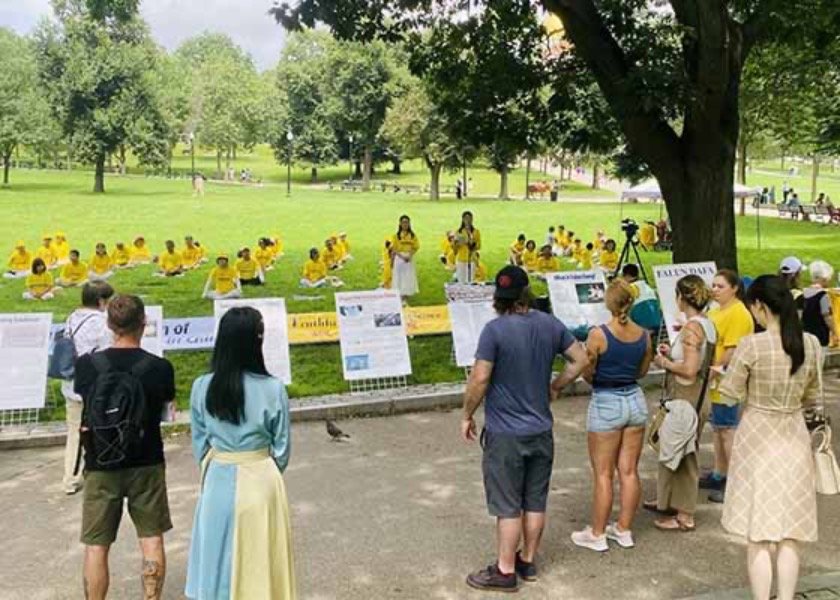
[(650, 190)]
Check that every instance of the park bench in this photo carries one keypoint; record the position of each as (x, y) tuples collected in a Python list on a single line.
[(351, 185), (787, 211), (808, 212)]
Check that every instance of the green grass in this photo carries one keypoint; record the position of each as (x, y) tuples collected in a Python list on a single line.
[(230, 217), (769, 173)]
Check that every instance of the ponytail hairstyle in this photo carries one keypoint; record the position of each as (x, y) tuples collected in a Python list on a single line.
[(694, 291), (619, 300), (734, 280), (399, 227), (773, 293)]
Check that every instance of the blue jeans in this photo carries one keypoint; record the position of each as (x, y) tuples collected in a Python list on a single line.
[(616, 409)]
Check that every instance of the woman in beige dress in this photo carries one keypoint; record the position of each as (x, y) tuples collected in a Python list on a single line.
[(686, 364), (771, 498)]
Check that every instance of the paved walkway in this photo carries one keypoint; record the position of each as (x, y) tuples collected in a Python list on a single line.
[(396, 513)]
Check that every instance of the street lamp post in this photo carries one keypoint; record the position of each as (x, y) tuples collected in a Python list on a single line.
[(289, 138), (350, 157)]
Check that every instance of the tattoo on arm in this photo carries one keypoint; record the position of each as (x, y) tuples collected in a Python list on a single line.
[(153, 575)]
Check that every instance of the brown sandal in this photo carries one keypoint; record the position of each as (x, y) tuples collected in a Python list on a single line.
[(674, 524), (653, 506)]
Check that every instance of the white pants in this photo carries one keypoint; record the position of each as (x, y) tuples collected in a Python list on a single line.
[(464, 272), (29, 296), (97, 277), (15, 274), (305, 283), (227, 296), (73, 411), (67, 284)]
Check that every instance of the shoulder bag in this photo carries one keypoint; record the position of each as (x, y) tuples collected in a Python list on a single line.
[(826, 469)]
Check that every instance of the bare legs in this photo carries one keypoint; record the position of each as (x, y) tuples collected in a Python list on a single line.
[(760, 568), (608, 451), (632, 440), (154, 567), (533, 525), (723, 439), (95, 572), (510, 534)]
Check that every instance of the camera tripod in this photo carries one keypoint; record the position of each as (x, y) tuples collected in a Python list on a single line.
[(630, 244)]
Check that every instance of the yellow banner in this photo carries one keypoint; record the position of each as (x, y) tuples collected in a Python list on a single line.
[(834, 294), (319, 328)]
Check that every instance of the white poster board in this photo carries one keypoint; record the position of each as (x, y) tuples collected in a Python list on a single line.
[(276, 337), (24, 348), (577, 298), (153, 336), (470, 309), (193, 333), (371, 329), (666, 277)]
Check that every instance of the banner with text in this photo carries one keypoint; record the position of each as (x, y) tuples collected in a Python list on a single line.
[(470, 309), (153, 336), (24, 352), (577, 298), (372, 334), (276, 336), (666, 277)]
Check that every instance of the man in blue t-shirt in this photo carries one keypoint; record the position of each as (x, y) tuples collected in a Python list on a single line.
[(513, 372)]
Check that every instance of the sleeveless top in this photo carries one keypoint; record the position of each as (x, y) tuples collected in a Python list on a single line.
[(679, 387), (618, 366)]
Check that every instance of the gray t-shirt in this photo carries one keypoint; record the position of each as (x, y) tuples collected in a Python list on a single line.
[(522, 348)]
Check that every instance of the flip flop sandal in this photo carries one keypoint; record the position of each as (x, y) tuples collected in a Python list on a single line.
[(674, 524), (653, 506)]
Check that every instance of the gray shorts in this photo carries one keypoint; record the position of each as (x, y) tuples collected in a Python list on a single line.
[(517, 472)]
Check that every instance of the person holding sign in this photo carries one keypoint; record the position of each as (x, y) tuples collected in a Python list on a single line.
[(404, 245), (467, 241), (20, 262), (512, 374), (40, 284), (74, 273), (241, 543), (224, 280), (619, 355), (686, 365)]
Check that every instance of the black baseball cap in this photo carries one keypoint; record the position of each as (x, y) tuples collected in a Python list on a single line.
[(510, 282)]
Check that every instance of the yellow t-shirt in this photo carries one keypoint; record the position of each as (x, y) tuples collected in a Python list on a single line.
[(597, 244), (314, 270), (329, 257), (100, 264), (560, 239), (732, 324), (404, 243), (20, 262), (609, 260), (264, 256), (548, 265), (517, 247), (529, 259), (170, 262), (120, 257), (578, 252), (224, 279), (387, 268), (277, 248), (480, 273), (463, 252), (345, 244), (140, 254), (38, 284), (74, 274), (585, 261), (61, 250), (249, 269), (339, 251), (647, 235), (191, 256), (46, 254)]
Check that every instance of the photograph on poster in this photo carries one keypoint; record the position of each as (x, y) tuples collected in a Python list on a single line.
[(351, 310), (387, 320), (590, 293), (358, 362)]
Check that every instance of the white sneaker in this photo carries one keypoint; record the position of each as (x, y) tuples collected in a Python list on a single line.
[(622, 538), (586, 539)]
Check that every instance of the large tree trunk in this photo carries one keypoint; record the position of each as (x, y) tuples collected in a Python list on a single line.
[(368, 167), (783, 161), (503, 191), (357, 170), (742, 162), (99, 175), (218, 161), (815, 173), (595, 176), (7, 159), (314, 174), (528, 178), (122, 160), (397, 163)]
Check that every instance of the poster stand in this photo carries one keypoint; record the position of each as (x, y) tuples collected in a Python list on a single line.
[(18, 417), (378, 384)]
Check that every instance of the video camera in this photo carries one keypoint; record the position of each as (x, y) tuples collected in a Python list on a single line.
[(630, 228)]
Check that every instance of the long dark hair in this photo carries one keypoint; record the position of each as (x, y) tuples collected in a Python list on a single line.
[(773, 292), (464, 225), (238, 350), (399, 227)]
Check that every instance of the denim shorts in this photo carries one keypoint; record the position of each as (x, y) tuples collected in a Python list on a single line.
[(616, 409), (724, 416)]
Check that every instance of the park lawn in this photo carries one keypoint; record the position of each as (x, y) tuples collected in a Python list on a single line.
[(769, 173), (232, 216)]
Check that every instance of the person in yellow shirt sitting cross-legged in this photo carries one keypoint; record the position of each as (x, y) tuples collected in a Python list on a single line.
[(264, 254), (224, 281), (192, 255), (170, 263), (479, 270), (609, 257), (315, 273), (39, 284), (140, 253), (530, 256), (20, 262), (329, 255), (121, 256), (45, 252), (344, 243), (250, 271), (547, 262), (61, 248), (75, 273), (517, 248), (101, 265)]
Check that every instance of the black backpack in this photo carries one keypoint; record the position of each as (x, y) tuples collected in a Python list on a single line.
[(114, 413)]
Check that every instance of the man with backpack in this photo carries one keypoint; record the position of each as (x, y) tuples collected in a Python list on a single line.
[(87, 327), (125, 391)]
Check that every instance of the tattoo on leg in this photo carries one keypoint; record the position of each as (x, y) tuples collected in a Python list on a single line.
[(152, 579)]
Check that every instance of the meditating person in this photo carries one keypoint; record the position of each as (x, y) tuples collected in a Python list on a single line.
[(264, 255), (547, 263), (192, 256), (20, 262), (517, 248), (61, 248), (608, 258), (170, 263), (223, 281), (250, 272), (530, 256), (121, 256), (330, 256), (140, 253), (101, 265), (344, 244), (315, 273), (75, 273), (39, 284), (45, 252)]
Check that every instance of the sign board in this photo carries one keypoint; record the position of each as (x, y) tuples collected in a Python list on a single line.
[(372, 335), (666, 277), (153, 336), (470, 309), (577, 298), (24, 353), (194, 333), (276, 336)]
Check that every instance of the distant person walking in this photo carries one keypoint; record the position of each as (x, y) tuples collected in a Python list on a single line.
[(241, 544), (512, 374), (619, 354), (771, 497)]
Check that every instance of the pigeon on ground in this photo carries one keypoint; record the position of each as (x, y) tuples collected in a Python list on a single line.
[(335, 433)]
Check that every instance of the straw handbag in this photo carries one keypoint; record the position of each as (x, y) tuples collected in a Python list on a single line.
[(826, 469)]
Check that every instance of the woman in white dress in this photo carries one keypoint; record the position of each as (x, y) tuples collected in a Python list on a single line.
[(404, 246)]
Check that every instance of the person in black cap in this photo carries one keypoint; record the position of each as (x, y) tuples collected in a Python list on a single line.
[(512, 371)]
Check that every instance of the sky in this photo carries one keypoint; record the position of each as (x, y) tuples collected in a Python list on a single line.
[(172, 21)]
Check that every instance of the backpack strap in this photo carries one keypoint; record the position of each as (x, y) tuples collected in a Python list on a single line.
[(143, 365), (80, 325), (100, 362)]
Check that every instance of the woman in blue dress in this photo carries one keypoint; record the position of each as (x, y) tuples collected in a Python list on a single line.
[(241, 541)]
